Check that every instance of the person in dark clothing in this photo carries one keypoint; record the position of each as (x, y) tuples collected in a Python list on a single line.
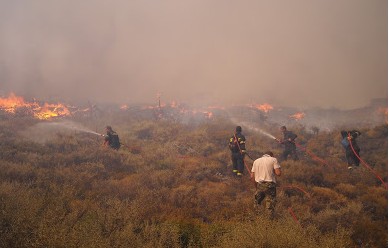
[(111, 138), (289, 144), (351, 147), (237, 146)]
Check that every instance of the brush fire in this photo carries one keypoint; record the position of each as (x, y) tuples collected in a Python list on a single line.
[(12, 104), (297, 116), (262, 107)]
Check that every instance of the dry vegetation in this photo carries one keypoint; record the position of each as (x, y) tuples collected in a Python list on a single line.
[(170, 186)]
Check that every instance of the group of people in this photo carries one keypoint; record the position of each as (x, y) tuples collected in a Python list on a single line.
[(237, 146), (265, 169)]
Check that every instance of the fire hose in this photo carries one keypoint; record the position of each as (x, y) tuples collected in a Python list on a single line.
[(121, 144), (289, 186), (241, 152), (365, 164), (311, 154)]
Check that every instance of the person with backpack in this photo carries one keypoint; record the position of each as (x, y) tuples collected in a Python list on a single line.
[(237, 147), (349, 143), (111, 138)]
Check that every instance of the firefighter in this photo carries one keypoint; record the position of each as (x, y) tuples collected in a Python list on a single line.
[(352, 151), (111, 138), (289, 144), (237, 146)]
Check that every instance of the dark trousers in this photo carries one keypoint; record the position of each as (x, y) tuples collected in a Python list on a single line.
[(351, 157), (289, 151), (237, 161)]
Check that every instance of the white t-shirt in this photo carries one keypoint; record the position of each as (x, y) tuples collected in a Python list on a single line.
[(264, 167)]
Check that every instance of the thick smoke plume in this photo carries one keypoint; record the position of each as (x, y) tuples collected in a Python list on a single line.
[(293, 53)]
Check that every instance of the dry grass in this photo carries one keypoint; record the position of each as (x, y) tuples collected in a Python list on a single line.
[(172, 187)]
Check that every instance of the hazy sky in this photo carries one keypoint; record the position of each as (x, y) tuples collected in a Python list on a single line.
[(301, 53)]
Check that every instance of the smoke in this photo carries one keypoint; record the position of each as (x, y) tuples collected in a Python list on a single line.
[(293, 53)]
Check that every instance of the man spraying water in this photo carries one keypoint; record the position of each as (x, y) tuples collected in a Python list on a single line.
[(289, 144), (112, 138)]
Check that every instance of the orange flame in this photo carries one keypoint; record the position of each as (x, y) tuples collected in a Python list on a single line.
[(263, 107), (124, 107), (297, 116), (12, 103), (49, 111), (208, 114), (174, 104)]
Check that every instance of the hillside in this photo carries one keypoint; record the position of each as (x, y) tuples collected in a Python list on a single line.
[(170, 184)]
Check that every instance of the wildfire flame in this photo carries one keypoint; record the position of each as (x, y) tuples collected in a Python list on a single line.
[(174, 104), (45, 112), (12, 102), (297, 116), (263, 107), (49, 111), (124, 107), (208, 114)]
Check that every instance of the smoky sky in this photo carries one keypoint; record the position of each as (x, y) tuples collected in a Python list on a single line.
[(302, 53)]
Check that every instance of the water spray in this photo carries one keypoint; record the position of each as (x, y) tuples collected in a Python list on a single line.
[(264, 133), (72, 126), (250, 126)]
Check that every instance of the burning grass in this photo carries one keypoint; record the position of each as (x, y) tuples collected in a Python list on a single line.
[(13, 103)]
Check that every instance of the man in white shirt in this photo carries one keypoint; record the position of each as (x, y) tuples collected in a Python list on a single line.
[(264, 172)]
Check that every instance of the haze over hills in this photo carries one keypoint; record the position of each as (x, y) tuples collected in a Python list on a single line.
[(290, 53)]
